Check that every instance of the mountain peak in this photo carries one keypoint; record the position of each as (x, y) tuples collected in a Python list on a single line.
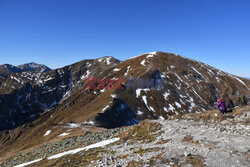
[(32, 66)]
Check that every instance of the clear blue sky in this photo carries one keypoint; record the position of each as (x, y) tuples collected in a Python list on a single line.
[(61, 32)]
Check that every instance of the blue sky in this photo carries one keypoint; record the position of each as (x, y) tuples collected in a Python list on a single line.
[(62, 32)]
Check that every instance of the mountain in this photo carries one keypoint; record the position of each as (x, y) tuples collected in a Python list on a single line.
[(155, 85), (7, 69), (160, 85), (34, 67)]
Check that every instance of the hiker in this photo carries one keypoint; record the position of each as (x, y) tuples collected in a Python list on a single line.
[(221, 106)]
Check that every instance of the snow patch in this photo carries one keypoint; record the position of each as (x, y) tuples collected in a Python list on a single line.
[(105, 108), (161, 117), (165, 95), (126, 73), (64, 134), (139, 112), (28, 163), (197, 71), (113, 95), (177, 104), (74, 151), (143, 62), (47, 133), (116, 69), (171, 107), (138, 91)]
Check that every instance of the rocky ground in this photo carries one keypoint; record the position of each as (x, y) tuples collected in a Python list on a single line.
[(201, 139)]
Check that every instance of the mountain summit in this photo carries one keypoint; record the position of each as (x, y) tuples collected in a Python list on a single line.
[(34, 67), (7, 69)]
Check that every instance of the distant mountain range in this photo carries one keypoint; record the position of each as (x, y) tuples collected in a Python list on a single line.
[(7, 69)]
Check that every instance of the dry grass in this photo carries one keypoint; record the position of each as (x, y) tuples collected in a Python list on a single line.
[(145, 132), (197, 161)]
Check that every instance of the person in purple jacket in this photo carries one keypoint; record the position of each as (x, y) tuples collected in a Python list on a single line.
[(221, 106)]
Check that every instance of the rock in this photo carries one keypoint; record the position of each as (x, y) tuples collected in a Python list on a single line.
[(224, 122)]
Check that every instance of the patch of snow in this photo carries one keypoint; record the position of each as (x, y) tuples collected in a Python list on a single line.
[(197, 71), (105, 108), (86, 75), (126, 73), (151, 54), (73, 125), (171, 107), (177, 104), (47, 79), (240, 81), (138, 91), (218, 79), (47, 133), (108, 60), (74, 151), (165, 95), (113, 95), (102, 90), (28, 163), (144, 98), (116, 69), (89, 122), (143, 62), (64, 134), (152, 108), (161, 117), (12, 77), (139, 112), (172, 67)]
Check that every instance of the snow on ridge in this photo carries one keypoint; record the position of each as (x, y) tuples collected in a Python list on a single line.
[(151, 54), (47, 133)]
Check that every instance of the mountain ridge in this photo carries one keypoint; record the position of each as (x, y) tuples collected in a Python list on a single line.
[(44, 91), (7, 69)]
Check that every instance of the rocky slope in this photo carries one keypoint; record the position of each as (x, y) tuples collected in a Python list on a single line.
[(24, 96), (201, 139)]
